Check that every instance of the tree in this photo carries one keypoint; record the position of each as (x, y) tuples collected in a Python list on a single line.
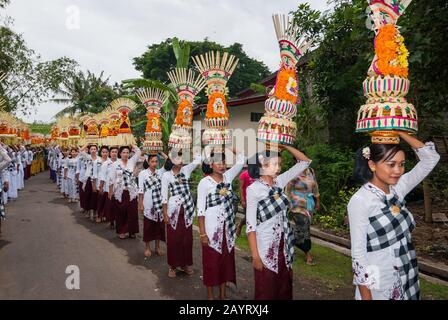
[(160, 58), (181, 51), (30, 80), (344, 50), (86, 93)]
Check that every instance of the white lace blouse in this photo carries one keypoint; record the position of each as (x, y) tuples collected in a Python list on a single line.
[(97, 165), (269, 232), (175, 202), (104, 173), (116, 177), (375, 269), (143, 176), (70, 165), (215, 216)]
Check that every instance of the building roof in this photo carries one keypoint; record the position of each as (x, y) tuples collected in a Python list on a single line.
[(248, 95)]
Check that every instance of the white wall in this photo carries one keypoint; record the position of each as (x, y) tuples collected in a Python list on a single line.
[(244, 131)]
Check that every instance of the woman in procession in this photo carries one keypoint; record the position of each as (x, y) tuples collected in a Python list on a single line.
[(63, 164), (5, 159), (90, 194), (69, 176), (383, 256), (103, 191), (101, 197), (13, 172), (81, 166), (123, 189), (150, 203), (268, 229), (217, 226), (178, 211)]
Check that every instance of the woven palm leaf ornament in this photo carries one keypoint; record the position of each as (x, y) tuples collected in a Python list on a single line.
[(387, 84), (91, 131), (63, 125), (7, 122), (123, 106), (187, 85), (103, 128), (277, 127), (74, 132), (152, 99), (216, 69)]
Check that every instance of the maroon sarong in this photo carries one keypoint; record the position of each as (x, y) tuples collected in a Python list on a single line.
[(126, 214), (153, 230), (109, 208), (218, 268), (274, 286), (101, 204), (179, 243), (82, 196), (90, 197)]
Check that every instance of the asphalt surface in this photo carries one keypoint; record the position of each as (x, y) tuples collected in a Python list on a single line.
[(43, 235)]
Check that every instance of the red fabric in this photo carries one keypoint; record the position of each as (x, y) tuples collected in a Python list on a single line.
[(109, 209), (274, 286), (90, 197), (101, 204), (126, 214), (27, 172), (246, 181), (82, 197), (153, 230), (218, 268), (179, 243)]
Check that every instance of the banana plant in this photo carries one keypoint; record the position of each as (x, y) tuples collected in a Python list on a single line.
[(181, 52)]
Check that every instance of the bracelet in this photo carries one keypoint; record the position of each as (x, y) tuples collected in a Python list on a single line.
[(202, 235)]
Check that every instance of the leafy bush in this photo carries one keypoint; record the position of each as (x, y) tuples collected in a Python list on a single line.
[(333, 166), (336, 217), (439, 188)]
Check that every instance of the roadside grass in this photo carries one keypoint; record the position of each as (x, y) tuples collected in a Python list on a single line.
[(333, 270)]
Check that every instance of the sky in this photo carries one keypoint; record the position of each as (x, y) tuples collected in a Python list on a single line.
[(106, 35)]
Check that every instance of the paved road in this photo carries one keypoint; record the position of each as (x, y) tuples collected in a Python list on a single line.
[(43, 234)]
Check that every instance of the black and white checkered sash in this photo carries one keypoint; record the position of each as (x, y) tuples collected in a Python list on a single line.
[(128, 178), (89, 164), (278, 203), (180, 188), (224, 196), (71, 166), (154, 183), (389, 229)]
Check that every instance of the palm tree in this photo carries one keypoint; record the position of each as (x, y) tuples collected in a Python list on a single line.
[(76, 91)]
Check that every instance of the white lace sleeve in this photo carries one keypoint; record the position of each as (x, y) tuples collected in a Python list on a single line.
[(251, 209), (283, 179), (359, 222)]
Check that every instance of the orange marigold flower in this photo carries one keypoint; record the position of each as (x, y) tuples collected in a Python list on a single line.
[(184, 114), (217, 106), (390, 56)]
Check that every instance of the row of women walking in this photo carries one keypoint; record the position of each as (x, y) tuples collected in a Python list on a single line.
[(112, 188), (17, 164)]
